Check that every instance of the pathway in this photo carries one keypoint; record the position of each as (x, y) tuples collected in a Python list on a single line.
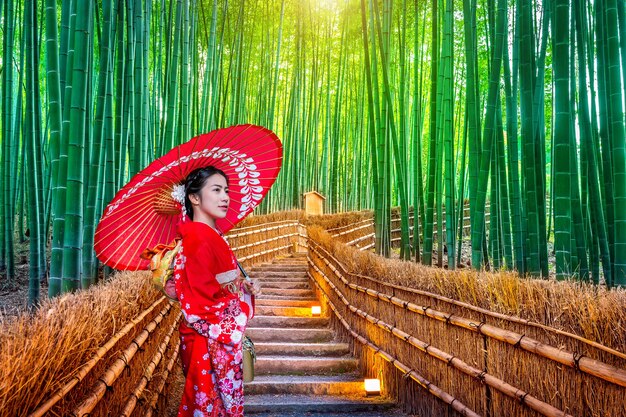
[(300, 369)]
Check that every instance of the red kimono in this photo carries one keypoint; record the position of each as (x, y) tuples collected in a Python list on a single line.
[(215, 318)]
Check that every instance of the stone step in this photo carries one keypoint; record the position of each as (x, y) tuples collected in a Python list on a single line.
[(347, 384), (286, 321), (284, 297), (289, 262), (281, 277), (303, 285), (290, 292), (337, 413), (274, 274), (300, 266), (278, 275), (286, 261), (262, 310), (281, 268), (274, 282), (301, 349), (302, 404), (286, 302), (270, 334), (292, 257), (295, 365)]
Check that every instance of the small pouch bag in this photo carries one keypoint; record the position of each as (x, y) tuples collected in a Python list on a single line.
[(249, 357)]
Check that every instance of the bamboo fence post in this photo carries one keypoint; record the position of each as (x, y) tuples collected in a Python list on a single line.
[(429, 386), (114, 371), (168, 369), (480, 310), (85, 369), (587, 365), (148, 373)]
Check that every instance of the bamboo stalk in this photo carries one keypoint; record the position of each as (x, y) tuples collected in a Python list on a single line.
[(414, 375), (524, 397), (87, 367), (147, 375), (114, 371)]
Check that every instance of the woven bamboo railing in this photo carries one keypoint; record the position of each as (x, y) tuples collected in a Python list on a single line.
[(110, 374), (490, 363), (407, 372), (361, 234), (261, 243), (129, 374)]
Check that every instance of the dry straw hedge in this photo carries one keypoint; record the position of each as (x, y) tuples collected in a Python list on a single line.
[(335, 221), (257, 220), (591, 312), (40, 352), (260, 239)]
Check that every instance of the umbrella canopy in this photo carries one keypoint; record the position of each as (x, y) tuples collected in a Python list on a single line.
[(145, 213)]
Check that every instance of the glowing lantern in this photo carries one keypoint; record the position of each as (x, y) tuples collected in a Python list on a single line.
[(372, 387)]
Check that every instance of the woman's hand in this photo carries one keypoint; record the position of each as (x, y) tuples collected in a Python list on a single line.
[(252, 286)]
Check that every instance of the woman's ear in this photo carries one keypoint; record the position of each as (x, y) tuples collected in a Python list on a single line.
[(195, 199)]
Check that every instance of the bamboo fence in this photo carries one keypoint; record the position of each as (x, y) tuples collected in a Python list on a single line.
[(360, 233), (470, 359), (263, 242), (129, 357)]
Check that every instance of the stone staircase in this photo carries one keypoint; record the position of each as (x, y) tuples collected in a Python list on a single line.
[(300, 369)]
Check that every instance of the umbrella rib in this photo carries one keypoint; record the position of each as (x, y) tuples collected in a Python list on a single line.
[(137, 219), (137, 238), (233, 133), (173, 177), (140, 201), (125, 225), (166, 233)]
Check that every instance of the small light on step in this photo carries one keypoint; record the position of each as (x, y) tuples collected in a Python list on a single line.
[(316, 310), (372, 387)]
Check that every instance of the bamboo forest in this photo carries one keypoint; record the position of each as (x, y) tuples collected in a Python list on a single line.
[(513, 109)]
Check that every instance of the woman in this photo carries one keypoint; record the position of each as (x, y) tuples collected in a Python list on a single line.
[(210, 291)]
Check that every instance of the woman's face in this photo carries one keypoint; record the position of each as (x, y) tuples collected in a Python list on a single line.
[(213, 201)]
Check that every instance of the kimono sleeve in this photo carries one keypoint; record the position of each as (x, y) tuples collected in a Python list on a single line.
[(197, 287)]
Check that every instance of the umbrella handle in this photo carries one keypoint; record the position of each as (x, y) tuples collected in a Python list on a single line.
[(244, 273)]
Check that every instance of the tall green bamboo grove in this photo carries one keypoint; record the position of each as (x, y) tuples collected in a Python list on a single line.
[(512, 109)]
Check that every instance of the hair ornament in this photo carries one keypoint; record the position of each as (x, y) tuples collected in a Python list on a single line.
[(178, 194)]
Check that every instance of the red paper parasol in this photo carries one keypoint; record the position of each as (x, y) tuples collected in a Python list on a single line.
[(144, 212)]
